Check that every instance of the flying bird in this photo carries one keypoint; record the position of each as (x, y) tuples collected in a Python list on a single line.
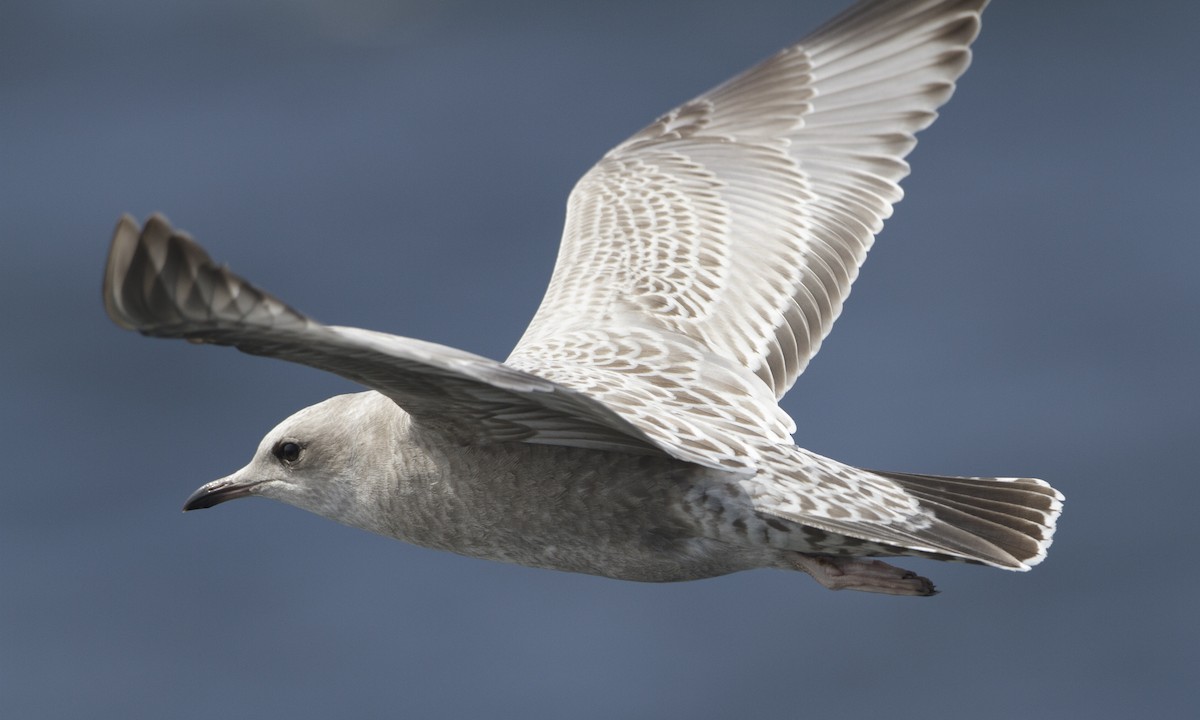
[(635, 431)]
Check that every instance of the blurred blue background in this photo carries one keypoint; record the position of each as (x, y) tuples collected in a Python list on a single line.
[(403, 166)]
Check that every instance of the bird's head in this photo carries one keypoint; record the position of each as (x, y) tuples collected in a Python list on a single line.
[(319, 460)]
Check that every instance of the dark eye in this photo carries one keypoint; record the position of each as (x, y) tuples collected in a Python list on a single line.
[(287, 451)]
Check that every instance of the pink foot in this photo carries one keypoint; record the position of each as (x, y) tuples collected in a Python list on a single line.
[(848, 573)]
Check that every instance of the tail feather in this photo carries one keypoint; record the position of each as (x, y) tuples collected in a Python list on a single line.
[(1002, 522), (1009, 517), (1012, 520), (1012, 509)]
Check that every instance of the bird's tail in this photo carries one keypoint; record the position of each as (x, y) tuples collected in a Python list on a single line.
[(843, 510), (1003, 522)]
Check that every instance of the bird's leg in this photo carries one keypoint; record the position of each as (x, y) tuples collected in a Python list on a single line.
[(851, 573)]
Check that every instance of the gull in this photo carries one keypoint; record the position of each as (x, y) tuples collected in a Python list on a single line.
[(635, 431)]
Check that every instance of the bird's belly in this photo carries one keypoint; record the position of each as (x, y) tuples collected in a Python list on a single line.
[(571, 509)]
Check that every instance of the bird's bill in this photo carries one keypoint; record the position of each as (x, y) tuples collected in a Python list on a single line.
[(218, 491)]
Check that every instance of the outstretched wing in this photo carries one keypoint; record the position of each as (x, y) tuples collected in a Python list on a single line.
[(735, 224), (161, 283)]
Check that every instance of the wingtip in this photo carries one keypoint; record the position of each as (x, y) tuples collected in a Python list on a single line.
[(160, 282), (127, 240), (120, 252), (157, 224)]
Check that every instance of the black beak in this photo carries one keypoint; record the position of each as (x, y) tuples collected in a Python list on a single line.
[(217, 492)]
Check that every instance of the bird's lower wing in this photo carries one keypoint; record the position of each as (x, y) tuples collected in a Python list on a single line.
[(161, 283)]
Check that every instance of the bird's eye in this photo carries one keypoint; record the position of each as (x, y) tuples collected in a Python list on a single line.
[(287, 451)]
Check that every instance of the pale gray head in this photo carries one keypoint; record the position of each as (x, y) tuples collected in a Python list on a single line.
[(321, 459)]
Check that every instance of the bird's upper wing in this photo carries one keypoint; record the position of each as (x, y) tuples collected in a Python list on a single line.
[(161, 283), (705, 258)]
